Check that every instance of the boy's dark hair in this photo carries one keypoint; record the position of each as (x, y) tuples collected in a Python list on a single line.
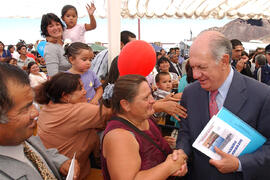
[(159, 75)]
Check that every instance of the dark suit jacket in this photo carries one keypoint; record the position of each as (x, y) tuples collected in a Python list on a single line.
[(13, 169), (249, 100), (172, 69)]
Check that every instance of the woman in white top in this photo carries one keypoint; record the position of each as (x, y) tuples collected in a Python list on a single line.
[(36, 77)]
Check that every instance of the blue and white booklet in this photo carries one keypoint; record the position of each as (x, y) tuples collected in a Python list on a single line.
[(230, 134)]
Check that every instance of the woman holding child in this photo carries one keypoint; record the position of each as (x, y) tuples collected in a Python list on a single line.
[(133, 147), (66, 121), (52, 29)]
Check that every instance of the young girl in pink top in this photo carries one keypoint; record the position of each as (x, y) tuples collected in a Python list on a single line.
[(73, 31)]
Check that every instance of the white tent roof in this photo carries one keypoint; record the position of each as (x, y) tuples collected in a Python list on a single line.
[(145, 8)]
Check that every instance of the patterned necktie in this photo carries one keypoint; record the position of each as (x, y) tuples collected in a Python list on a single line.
[(213, 108), (178, 69), (38, 163)]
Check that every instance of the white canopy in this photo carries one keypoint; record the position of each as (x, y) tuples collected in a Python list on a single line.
[(145, 8), (139, 9)]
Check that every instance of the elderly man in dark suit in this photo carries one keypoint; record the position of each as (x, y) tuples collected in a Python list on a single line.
[(219, 85), (23, 156)]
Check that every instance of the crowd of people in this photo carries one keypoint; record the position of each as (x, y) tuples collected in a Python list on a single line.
[(132, 127)]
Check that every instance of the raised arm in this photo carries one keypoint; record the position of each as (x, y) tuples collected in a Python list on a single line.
[(91, 9), (171, 107)]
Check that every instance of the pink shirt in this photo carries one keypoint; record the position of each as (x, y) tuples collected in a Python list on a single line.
[(75, 34), (71, 128)]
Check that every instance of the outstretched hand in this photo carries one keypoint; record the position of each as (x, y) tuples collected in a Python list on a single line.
[(227, 164), (91, 9), (175, 109), (170, 97)]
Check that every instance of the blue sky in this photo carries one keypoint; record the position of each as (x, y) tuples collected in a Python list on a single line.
[(152, 30)]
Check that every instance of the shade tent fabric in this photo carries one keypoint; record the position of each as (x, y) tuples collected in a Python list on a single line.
[(145, 8), (113, 9), (96, 47), (218, 9)]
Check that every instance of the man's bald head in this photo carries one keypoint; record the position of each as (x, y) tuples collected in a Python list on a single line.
[(212, 42)]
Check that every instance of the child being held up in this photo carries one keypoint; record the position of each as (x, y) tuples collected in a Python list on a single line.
[(73, 31), (80, 56), (164, 88)]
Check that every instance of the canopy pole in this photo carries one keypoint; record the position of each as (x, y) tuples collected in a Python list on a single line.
[(139, 29), (114, 27)]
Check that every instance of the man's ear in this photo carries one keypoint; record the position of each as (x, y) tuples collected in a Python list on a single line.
[(225, 59), (125, 105)]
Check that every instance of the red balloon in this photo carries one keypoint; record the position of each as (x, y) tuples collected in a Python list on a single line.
[(137, 57)]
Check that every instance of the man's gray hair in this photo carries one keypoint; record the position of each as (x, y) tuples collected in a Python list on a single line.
[(219, 46), (172, 54), (260, 59)]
